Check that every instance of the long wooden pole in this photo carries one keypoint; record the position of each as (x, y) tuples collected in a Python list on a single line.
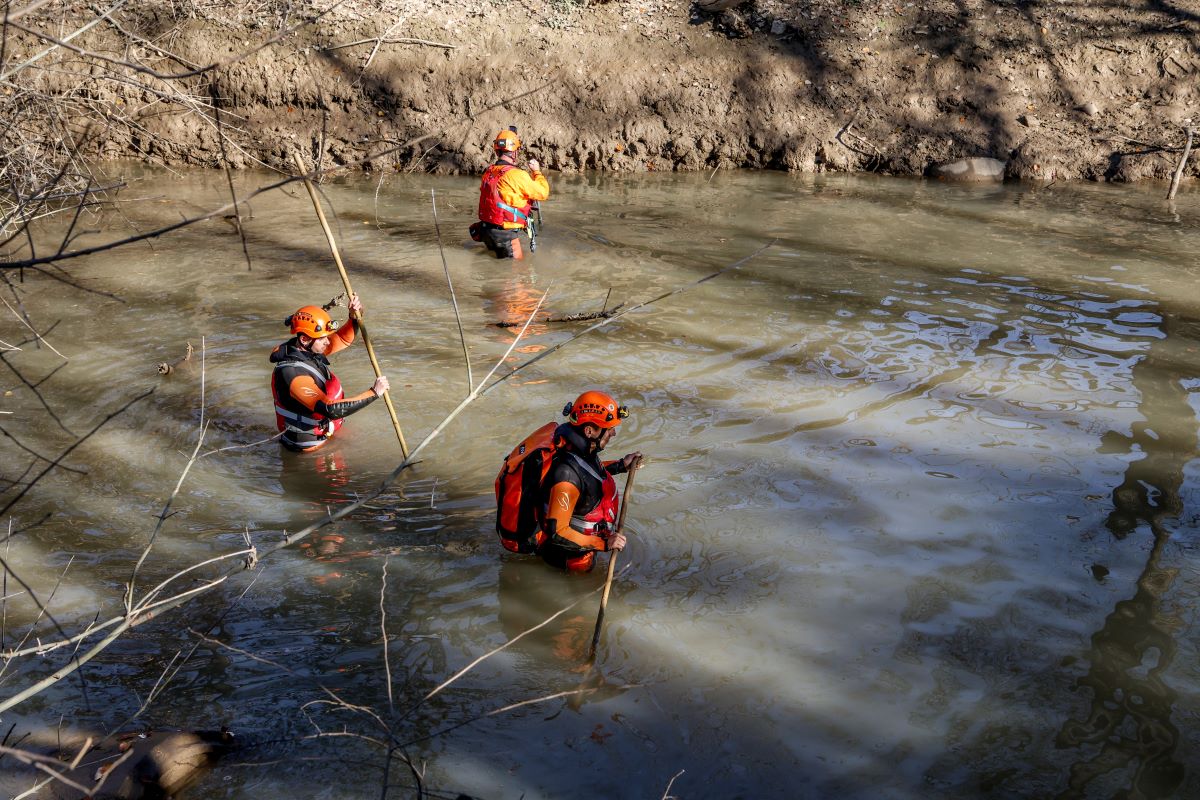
[(612, 562), (337, 259)]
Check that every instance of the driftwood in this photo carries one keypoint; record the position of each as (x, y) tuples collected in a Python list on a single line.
[(605, 314), (166, 369)]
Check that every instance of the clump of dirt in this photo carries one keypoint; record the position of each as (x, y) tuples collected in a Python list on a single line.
[(1057, 91)]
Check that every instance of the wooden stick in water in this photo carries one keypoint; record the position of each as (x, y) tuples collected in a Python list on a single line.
[(612, 562), (337, 259)]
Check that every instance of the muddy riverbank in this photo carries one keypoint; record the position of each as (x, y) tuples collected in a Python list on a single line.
[(1056, 91)]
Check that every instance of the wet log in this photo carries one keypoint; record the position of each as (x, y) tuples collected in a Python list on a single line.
[(162, 763)]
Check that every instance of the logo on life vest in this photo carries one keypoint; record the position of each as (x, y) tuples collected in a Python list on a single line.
[(521, 449)]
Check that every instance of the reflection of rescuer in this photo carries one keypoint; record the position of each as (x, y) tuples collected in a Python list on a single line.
[(309, 403), (506, 197), (555, 496)]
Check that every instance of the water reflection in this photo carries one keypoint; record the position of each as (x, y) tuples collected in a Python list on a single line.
[(514, 301), (1128, 726)]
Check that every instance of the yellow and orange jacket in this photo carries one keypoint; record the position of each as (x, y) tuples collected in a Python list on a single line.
[(506, 193)]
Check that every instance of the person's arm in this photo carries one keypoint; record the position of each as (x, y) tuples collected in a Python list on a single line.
[(623, 464), (343, 337), (522, 186), (563, 497), (304, 390)]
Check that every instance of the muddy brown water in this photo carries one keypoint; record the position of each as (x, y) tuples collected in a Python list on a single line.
[(919, 518)]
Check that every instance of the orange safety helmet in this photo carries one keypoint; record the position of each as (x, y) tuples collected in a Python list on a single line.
[(595, 408), (506, 141), (312, 321)]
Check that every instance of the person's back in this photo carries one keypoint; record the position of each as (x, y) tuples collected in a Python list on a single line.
[(506, 197)]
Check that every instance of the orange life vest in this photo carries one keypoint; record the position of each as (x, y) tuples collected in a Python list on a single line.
[(491, 207), (600, 520), (303, 428)]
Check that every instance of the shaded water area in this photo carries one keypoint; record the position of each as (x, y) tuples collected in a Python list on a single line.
[(919, 518)]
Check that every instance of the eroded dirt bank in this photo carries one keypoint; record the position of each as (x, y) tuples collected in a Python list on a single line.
[(1057, 90)]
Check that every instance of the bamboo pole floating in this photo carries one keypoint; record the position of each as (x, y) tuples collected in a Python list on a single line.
[(337, 259), (612, 562)]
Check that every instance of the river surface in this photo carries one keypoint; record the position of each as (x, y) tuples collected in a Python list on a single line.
[(919, 517)]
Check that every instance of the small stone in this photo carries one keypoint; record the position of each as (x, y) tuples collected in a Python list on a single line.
[(1029, 121), (1099, 572), (777, 27), (1089, 108), (982, 170)]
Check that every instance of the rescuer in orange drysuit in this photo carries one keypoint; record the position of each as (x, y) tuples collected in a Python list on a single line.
[(506, 197), (309, 402), (581, 495)]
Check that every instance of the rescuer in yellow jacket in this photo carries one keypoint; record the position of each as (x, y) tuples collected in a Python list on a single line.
[(506, 197)]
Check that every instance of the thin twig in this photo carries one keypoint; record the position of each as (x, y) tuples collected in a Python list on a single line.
[(496, 650), (71, 449), (387, 666), (507, 708), (36, 335), (1187, 150), (381, 40), (446, 268), (596, 325), (11, 19), (162, 517), (241, 446), (43, 608), (241, 56), (237, 213), (670, 783)]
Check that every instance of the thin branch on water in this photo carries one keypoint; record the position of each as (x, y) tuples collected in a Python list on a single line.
[(667, 792), (203, 375), (510, 707), (36, 335), (241, 446), (454, 300), (237, 212), (42, 764), (4, 588), (33, 387), (619, 314), (43, 610), (583, 316), (38, 455), (449, 681), (162, 517), (387, 664)]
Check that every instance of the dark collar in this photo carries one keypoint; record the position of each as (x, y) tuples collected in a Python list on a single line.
[(576, 441)]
